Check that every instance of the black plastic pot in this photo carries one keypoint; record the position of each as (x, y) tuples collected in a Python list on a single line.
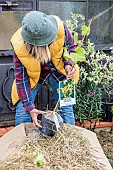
[(48, 126), (107, 110)]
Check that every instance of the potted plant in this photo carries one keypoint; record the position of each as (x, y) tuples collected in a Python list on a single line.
[(107, 87), (102, 67), (90, 91), (95, 76)]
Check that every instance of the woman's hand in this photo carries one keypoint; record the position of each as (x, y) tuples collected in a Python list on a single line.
[(70, 71), (34, 113)]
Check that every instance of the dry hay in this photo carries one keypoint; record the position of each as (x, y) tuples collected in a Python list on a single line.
[(67, 150)]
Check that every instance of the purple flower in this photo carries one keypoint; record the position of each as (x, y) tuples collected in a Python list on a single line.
[(91, 94), (102, 70), (88, 58)]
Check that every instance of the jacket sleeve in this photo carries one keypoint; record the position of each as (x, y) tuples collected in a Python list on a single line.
[(23, 85), (69, 43)]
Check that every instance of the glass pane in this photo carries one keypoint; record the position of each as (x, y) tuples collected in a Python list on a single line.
[(9, 23), (62, 9), (102, 24)]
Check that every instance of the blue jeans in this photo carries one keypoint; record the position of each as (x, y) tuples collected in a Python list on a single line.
[(66, 112)]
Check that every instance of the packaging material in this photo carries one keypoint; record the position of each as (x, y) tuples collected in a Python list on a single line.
[(7, 143)]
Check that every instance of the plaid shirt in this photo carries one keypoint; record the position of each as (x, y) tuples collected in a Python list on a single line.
[(22, 79)]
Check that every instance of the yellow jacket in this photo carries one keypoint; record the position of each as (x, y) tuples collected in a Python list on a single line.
[(32, 65)]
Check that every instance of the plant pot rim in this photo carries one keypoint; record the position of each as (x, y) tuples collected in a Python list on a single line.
[(107, 102), (99, 124)]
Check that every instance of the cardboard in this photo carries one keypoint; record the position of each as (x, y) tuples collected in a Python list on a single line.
[(97, 150), (8, 139), (19, 131)]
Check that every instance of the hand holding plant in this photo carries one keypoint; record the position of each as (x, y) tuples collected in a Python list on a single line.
[(70, 71)]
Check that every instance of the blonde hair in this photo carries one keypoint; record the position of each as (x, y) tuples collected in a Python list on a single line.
[(39, 52)]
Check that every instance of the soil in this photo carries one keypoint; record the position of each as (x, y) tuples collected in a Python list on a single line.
[(106, 140)]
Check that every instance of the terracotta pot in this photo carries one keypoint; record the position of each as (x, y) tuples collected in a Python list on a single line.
[(94, 124), (3, 131)]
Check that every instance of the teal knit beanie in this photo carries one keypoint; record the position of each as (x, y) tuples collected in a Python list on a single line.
[(38, 28)]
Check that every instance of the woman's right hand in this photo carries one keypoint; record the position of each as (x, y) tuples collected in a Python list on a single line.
[(70, 71), (34, 113)]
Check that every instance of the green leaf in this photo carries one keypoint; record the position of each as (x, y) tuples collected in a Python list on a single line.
[(39, 160), (77, 57), (80, 50), (75, 37), (28, 147), (85, 30), (66, 54), (90, 47)]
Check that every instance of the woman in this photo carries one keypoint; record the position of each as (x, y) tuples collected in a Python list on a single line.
[(38, 56)]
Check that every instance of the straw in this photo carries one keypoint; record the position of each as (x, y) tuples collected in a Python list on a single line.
[(67, 150)]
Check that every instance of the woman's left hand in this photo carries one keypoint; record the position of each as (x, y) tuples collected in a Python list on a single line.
[(70, 71)]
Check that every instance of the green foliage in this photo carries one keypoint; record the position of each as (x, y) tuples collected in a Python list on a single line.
[(88, 102), (80, 51), (85, 30), (39, 160), (73, 23), (28, 147), (96, 74), (79, 56), (90, 48), (107, 80), (110, 158), (112, 110), (75, 37), (95, 77)]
